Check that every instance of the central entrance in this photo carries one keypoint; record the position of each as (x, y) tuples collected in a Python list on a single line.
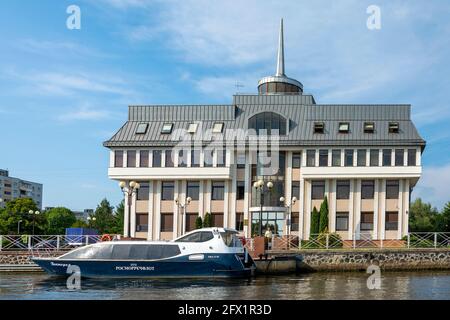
[(275, 220)]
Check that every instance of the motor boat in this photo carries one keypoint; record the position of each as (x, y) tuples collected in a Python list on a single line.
[(207, 252)]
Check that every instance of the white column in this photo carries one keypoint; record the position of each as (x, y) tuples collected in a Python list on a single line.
[(308, 210), (176, 211), (157, 212), (138, 158), (357, 195), (405, 157), (126, 217), (125, 158), (382, 208), (183, 196), (406, 208), (247, 195), (418, 157), (301, 212), (208, 196), (288, 187), (332, 205), (376, 200), (111, 158), (351, 217), (133, 214), (232, 191), (392, 157), (201, 199), (316, 158), (150, 158), (151, 214), (400, 209), (226, 199), (380, 157)]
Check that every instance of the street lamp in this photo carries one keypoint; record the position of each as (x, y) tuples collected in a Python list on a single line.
[(18, 226), (89, 219), (183, 206), (35, 214), (259, 186), (128, 191), (288, 206)]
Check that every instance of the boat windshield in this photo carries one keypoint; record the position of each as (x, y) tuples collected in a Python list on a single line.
[(201, 236), (90, 252), (230, 239)]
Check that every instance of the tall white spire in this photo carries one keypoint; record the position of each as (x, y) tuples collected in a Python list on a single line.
[(280, 61)]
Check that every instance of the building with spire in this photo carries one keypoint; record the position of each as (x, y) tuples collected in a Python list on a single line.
[(267, 160)]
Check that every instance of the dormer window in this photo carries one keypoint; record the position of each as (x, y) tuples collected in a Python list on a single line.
[(369, 127), (393, 127), (344, 127), (268, 123), (167, 128), (319, 127), (192, 128), (142, 128), (217, 127)]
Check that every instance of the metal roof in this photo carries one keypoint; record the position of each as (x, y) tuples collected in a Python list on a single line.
[(300, 110)]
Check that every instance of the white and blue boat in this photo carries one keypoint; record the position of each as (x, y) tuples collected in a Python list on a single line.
[(207, 252)]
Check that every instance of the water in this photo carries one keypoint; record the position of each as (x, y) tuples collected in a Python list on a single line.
[(347, 285)]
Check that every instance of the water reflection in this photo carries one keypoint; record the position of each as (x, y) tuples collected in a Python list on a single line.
[(394, 285)]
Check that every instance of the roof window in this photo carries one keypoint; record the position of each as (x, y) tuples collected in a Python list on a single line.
[(319, 127), (369, 127), (393, 127), (142, 128), (167, 128), (344, 127)]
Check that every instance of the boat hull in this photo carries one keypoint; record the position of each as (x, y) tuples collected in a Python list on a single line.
[(217, 265)]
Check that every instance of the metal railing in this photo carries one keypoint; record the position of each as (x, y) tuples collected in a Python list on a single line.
[(362, 240), (45, 242)]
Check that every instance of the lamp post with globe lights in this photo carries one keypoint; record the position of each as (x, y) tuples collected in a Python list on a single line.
[(34, 214), (128, 191), (91, 219), (288, 206), (259, 186), (183, 206)]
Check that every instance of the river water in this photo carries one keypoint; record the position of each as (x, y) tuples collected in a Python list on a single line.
[(345, 285)]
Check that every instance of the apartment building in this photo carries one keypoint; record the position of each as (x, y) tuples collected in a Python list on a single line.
[(14, 188)]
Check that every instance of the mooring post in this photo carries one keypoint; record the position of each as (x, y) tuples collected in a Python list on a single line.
[(29, 242), (408, 241), (327, 241), (354, 241), (57, 242)]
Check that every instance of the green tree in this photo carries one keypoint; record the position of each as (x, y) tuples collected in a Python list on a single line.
[(104, 217), (315, 220), (207, 223), (198, 223), (422, 217), (18, 210), (58, 219), (119, 214), (323, 220), (443, 219)]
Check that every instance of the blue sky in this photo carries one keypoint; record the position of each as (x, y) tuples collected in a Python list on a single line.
[(63, 92)]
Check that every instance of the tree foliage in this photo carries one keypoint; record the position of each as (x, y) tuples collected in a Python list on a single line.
[(443, 219), (323, 219), (207, 223), (104, 216), (18, 210), (198, 223), (422, 217), (58, 219), (315, 221)]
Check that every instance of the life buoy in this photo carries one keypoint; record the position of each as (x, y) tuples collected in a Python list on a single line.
[(106, 237)]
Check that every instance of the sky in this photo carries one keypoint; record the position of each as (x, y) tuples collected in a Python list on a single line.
[(63, 91)]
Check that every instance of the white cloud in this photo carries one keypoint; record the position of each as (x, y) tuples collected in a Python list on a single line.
[(83, 113), (434, 186)]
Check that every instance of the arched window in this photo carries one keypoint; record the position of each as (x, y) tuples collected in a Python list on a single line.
[(268, 121)]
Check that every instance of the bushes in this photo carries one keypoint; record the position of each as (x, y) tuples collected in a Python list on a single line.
[(323, 219), (207, 223), (315, 221), (198, 223), (320, 241)]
